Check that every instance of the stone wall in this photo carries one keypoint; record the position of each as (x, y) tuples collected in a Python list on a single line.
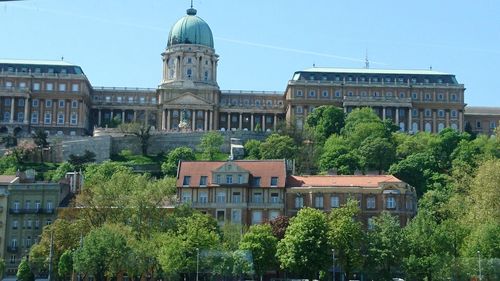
[(101, 146)]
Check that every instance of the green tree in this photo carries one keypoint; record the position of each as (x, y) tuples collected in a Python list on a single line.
[(252, 149), (259, 240), (24, 271), (278, 147), (2, 267), (377, 153), (305, 251), (210, 145), (40, 140), (61, 171), (385, 246), (8, 165), (99, 173), (416, 170), (346, 236), (65, 265), (338, 155), (169, 167), (141, 131), (78, 161), (325, 121)]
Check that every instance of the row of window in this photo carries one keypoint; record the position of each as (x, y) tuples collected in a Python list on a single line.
[(414, 95), (47, 118), (28, 224), (36, 102), (257, 216), (120, 99), (236, 197), (49, 86), (350, 78), (37, 205), (246, 102), (229, 179), (390, 202), (493, 125), (257, 118)]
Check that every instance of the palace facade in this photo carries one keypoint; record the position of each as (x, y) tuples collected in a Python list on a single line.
[(58, 97)]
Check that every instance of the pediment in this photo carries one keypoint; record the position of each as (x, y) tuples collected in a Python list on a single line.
[(230, 167), (187, 99)]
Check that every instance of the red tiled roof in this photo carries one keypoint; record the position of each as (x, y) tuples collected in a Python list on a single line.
[(265, 169), (7, 179), (344, 181)]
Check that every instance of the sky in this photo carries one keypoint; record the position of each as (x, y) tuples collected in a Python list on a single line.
[(261, 43)]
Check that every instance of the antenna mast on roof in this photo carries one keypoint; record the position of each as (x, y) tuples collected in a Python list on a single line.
[(191, 4), (367, 62)]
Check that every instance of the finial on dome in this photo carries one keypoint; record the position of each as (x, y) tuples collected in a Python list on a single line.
[(191, 11)]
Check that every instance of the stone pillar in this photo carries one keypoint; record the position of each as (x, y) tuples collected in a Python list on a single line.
[(421, 115), (275, 121), (205, 127), (123, 116), (163, 121), (410, 125), (263, 122), (26, 112), (12, 104), (168, 120), (99, 115), (146, 119), (460, 121), (345, 109), (228, 121), (447, 118), (434, 122), (383, 113), (111, 114), (193, 120), (211, 121), (241, 121), (397, 116), (251, 122), (135, 115)]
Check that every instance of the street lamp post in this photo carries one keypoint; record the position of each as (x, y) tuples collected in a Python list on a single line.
[(333, 262), (197, 262), (479, 265)]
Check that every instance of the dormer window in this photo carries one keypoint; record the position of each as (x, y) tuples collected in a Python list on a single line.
[(274, 181), (203, 181), (186, 180), (229, 179), (256, 182), (240, 179), (217, 179)]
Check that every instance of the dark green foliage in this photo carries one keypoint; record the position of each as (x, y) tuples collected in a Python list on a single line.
[(278, 147), (259, 240), (210, 145), (377, 153), (78, 161), (169, 167), (24, 272), (252, 149), (325, 121), (416, 170)]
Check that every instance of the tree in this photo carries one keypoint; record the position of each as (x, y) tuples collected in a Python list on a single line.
[(78, 161), (377, 153), (24, 271), (2, 267), (102, 172), (252, 149), (416, 170), (279, 226), (40, 140), (169, 167), (65, 265), (61, 171), (385, 246), (8, 165), (305, 251), (346, 236), (325, 121), (141, 131), (338, 155), (210, 145), (259, 240), (278, 147)]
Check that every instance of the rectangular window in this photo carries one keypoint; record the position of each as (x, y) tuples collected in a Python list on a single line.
[(7, 101), (34, 117), (274, 181), (318, 201), (20, 102), (61, 103), (142, 100), (48, 118), (478, 124), (299, 202), (256, 217), (36, 86), (221, 216), (49, 205), (221, 197), (275, 198), (257, 197), (334, 202), (217, 179), (62, 87), (391, 202), (74, 104), (20, 117), (236, 216), (203, 181), (236, 197), (186, 180), (240, 179), (370, 223), (299, 109), (203, 197), (48, 103), (370, 203), (60, 118), (273, 214), (186, 197), (256, 182), (49, 87), (75, 87), (229, 179), (130, 99), (37, 224), (493, 125), (34, 103), (298, 93), (74, 118)]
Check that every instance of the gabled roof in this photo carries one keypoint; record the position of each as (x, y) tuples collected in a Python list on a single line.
[(5, 179), (341, 181), (265, 169)]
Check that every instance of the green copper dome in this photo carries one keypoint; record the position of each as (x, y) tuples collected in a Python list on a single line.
[(191, 29)]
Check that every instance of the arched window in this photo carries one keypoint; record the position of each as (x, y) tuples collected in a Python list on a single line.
[(428, 127)]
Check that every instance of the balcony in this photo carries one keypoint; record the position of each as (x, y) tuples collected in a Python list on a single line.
[(377, 101), (31, 211), (12, 249), (266, 205)]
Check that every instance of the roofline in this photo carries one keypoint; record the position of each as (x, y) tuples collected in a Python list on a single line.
[(373, 71), (36, 62)]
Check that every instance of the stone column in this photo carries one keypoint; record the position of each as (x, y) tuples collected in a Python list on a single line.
[(163, 121), (251, 122), (241, 121), (123, 116), (168, 120), (12, 104), (275, 121), (345, 109), (228, 121), (135, 115), (383, 113), (434, 121), (410, 125), (146, 119), (211, 121), (99, 117), (460, 121), (447, 118), (397, 116), (111, 114), (205, 127), (421, 115), (263, 122), (193, 120), (26, 112)]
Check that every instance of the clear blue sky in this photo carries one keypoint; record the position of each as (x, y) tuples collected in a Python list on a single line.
[(262, 42)]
